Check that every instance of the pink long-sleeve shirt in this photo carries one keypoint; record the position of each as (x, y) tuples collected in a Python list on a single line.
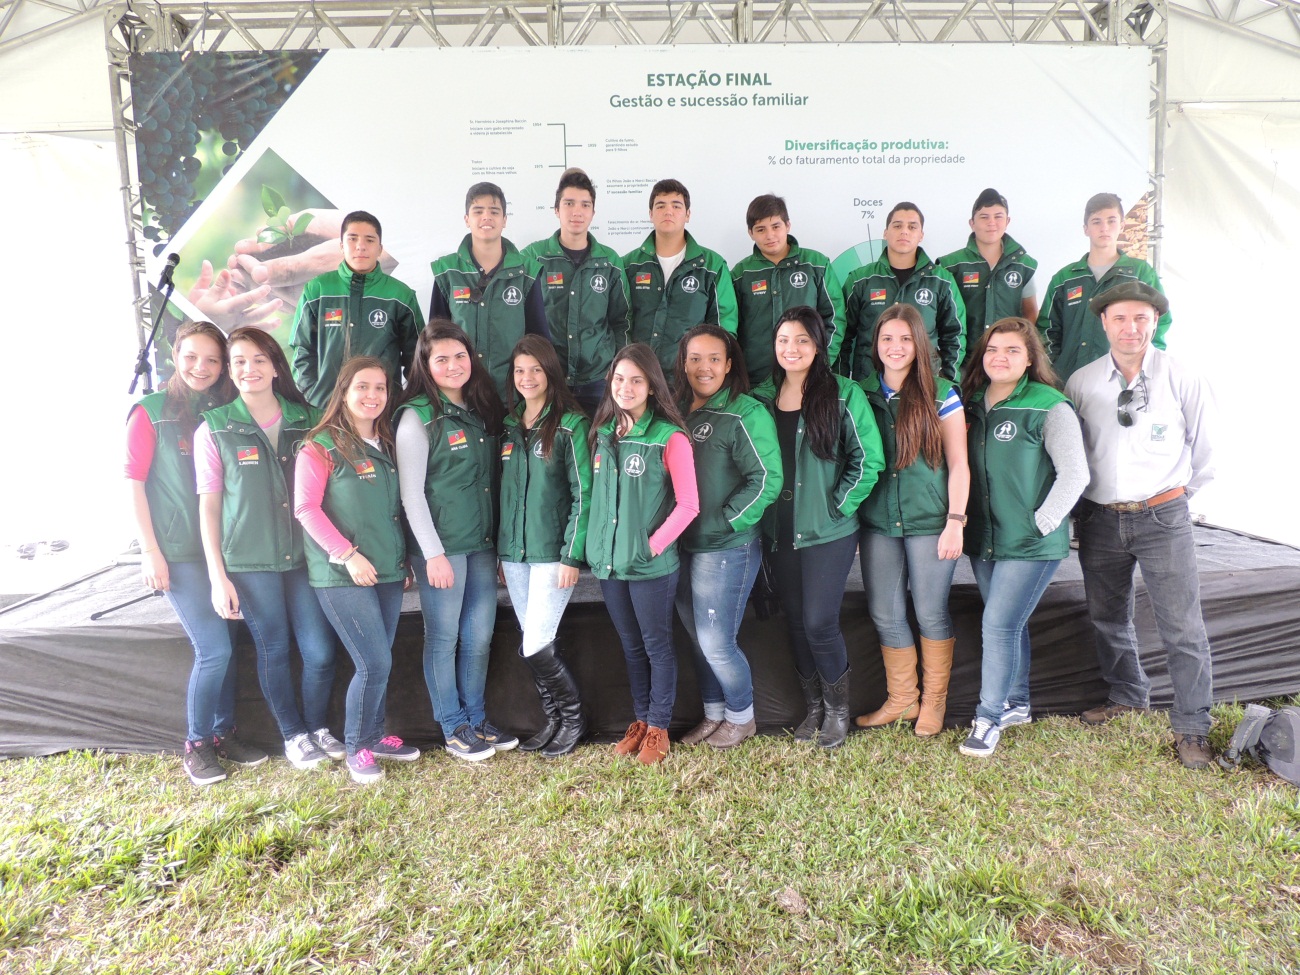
[(311, 475), (680, 461)]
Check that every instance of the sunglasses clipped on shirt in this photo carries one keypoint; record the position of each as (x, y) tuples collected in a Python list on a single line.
[(1126, 398)]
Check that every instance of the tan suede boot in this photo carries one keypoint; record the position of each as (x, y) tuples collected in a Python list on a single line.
[(936, 668), (900, 679)]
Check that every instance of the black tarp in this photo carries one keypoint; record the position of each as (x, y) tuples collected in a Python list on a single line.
[(119, 683)]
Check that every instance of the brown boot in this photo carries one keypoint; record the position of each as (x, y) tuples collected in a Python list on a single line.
[(936, 668), (900, 679), (632, 739), (654, 749)]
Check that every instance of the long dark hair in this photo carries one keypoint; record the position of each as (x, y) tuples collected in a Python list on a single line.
[(558, 398), (737, 381), (1039, 371), (918, 418), (179, 400), (661, 397), (282, 385), (480, 390), (337, 419), (821, 393)]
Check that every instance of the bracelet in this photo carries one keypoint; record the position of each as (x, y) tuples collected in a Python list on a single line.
[(350, 552), (960, 519)]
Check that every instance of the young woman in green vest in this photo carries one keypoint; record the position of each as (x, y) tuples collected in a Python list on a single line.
[(545, 505), (643, 496), (346, 497), (244, 461), (448, 428), (830, 459), (160, 468), (738, 473), (912, 521), (1028, 468)]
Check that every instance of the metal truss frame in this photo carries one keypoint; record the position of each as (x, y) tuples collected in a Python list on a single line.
[(274, 25)]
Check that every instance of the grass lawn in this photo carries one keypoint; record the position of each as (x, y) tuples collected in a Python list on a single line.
[(1072, 850)]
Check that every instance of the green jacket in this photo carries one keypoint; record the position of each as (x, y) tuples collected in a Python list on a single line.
[(1073, 334), (764, 290), (170, 487), (699, 293), (631, 495), (827, 493), (737, 471), (545, 504), (989, 294), (363, 501), (344, 314), (258, 530), (1011, 475), (496, 318), (586, 307), (911, 501), (460, 480), (930, 290)]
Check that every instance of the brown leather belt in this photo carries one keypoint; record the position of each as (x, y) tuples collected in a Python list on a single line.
[(1132, 506)]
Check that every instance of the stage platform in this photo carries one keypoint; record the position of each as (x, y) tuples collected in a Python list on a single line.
[(118, 683)]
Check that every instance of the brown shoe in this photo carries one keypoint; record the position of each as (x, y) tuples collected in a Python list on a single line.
[(1106, 712), (1194, 751), (632, 739), (936, 668), (654, 749), (730, 735), (900, 679), (701, 731)]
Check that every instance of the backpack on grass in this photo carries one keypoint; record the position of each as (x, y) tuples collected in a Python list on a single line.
[(1272, 737)]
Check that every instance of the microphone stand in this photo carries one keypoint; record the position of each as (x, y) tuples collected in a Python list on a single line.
[(165, 288)]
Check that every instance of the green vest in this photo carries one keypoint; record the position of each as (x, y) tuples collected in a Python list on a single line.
[(363, 502), (586, 307), (631, 496), (1011, 475), (911, 501), (737, 471), (170, 487), (460, 480), (258, 530), (545, 504)]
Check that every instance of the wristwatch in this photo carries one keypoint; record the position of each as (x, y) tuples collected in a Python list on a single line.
[(958, 518)]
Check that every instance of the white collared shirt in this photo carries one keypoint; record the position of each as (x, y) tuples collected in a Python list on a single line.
[(1169, 444)]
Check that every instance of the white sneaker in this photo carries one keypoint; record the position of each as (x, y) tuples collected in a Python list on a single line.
[(303, 753), (983, 740), (1012, 716), (330, 745)]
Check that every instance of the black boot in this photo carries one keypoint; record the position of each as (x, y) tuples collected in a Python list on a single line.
[(812, 696), (550, 671), (552, 724), (835, 724)]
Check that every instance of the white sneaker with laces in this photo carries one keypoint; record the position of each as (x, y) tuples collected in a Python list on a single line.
[(983, 740), (303, 753), (330, 745)]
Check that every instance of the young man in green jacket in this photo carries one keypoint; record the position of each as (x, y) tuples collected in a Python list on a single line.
[(1073, 334), (487, 287), (903, 273), (778, 275), (584, 290), (354, 310), (675, 283), (994, 273)]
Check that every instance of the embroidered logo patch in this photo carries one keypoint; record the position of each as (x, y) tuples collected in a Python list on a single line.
[(924, 296), (460, 294), (1005, 431), (634, 466), (457, 439), (599, 283), (1158, 432), (690, 284), (1012, 279), (643, 280), (507, 449), (512, 295), (246, 455), (798, 280), (555, 280), (703, 432), (878, 294), (333, 317), (758, 287), (970, 278), (365, 468), (1074, 294)]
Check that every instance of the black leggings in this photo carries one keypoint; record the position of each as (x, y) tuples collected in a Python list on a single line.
[(811, 585)]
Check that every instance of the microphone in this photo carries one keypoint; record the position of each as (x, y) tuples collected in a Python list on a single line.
[(165, 279)]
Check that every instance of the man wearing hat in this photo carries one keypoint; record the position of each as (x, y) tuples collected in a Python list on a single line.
[(1147, 430)]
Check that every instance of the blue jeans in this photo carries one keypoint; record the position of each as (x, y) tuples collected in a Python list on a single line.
[(1010, 590), (278, 606), (1159, 540), (538, 602), (893, 566), (642, 612), (811, 585), (458, 626), (365, 618), (711, 597), (210, 700)]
